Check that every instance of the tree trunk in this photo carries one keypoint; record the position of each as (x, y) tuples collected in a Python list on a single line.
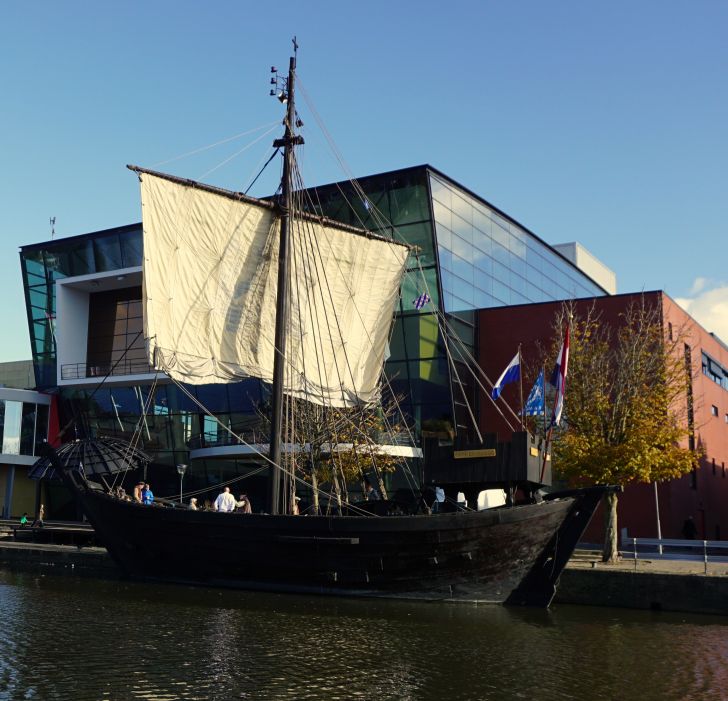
[(611, 542), (380, 482), (314, 486), (337, 491)]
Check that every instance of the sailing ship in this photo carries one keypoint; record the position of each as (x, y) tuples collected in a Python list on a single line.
[(238, 287)]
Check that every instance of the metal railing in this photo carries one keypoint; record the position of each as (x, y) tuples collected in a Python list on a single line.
[(223, 439), (675, 549), (260, 436), (83, 371)]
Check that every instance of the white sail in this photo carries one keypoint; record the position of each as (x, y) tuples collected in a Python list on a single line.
[(210, 283)]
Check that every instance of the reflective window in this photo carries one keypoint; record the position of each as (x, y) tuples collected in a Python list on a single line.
[(519, 268), (12, 419), (22, 426), (27, 428)]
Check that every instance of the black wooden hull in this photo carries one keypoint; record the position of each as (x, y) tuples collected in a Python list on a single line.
[(511, 554)]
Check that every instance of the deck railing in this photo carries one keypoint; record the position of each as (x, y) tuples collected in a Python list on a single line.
[(83, 371), (675, 549)]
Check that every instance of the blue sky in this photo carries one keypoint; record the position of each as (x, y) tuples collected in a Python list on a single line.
[(604, 123)]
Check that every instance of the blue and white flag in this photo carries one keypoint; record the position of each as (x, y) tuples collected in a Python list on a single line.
[(510, 374), (421, 301), (535, 404)]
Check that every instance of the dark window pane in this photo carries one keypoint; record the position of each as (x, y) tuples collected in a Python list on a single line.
[(107, 254), (409, 204), (27, 429), (41, 431), (131, 249)]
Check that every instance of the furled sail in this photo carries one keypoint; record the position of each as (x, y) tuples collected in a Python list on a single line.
[(210, 283)]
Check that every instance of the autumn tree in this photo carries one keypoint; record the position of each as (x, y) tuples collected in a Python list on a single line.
[(625, 414)]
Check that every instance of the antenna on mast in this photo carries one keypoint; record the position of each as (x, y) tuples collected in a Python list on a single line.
[(53, 227)]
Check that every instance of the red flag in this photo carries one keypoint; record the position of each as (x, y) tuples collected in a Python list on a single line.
[(558, 379)]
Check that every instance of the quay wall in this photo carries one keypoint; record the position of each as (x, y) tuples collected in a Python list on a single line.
[(87, 561), (657, 591)]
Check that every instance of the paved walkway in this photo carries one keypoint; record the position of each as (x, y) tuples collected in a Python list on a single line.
[(591, 559)]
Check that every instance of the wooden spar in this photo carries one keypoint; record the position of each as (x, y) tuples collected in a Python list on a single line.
[(267, 204), (288, 142)]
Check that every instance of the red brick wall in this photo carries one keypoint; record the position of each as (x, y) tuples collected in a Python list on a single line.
[(501, 330)]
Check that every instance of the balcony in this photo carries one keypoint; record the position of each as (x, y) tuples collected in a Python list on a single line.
[(252, 442), (124, 368)]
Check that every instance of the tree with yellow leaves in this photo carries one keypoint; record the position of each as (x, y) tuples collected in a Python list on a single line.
[(625, 414)]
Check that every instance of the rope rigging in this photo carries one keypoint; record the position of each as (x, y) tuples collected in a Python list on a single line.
[(311, 291)]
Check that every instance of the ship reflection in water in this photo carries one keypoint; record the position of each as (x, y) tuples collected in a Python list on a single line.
[(70, 638)]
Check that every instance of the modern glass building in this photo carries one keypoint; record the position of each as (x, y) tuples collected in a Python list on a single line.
[(83, 296), (472, 256), (24, 421)]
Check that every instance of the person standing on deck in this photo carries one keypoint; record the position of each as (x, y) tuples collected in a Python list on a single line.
[(244, 506), (147, 495), (138, 492), (225, 501), (369, 492)]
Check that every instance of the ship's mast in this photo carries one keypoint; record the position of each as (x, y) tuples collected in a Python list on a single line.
[(288, 142)]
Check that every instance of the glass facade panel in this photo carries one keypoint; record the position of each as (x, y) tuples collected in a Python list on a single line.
[(518, 263), (419, 235), (22, 426), (12, 420), (41, 426), (131, 249), (107, 254), (27, 429), (408, 203)]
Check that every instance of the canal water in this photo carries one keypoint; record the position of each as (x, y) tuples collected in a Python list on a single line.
[(65, 637)]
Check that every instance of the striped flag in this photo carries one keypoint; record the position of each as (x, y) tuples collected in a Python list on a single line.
[(512, 373), (421, 301), (558, 379)]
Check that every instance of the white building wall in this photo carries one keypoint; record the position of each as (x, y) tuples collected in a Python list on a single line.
[(589, 264)]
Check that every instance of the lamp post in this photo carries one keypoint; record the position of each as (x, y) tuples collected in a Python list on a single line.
[(181, 469)]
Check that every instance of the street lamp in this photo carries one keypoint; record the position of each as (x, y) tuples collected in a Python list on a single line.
[(181, 469)]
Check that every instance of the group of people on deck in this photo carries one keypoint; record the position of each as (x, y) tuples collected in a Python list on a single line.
[(227, 503), (143, 493)]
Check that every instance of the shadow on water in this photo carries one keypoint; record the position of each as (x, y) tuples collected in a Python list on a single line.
[(68, 637)]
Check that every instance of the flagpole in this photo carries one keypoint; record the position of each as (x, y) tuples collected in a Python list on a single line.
[(547, 434), (520, 377), (546, 452), (543, 375), (562, 366)]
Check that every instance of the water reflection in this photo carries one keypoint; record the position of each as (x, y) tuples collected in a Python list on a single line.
[(64, 637)]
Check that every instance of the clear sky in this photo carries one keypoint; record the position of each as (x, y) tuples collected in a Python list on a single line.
[(603, 123)]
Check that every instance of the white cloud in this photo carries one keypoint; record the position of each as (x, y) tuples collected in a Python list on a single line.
[(698, 286), (708, 306)]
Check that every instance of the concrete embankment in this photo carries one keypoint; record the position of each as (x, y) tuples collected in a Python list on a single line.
[(663, 585), (87, 560), (660, 585)]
